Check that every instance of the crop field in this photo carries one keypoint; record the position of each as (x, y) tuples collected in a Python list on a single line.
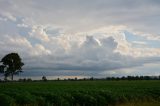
[(80, 93)]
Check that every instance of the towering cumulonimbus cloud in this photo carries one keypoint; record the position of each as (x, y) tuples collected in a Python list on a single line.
[(109, 36)]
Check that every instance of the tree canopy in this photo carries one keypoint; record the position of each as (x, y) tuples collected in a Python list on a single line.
[(11, 65)]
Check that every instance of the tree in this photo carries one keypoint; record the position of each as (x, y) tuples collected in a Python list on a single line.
[(11, 65), (44, 78)]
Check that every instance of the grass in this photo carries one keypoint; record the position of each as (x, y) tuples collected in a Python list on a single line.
[(81, 93), (146, 103)]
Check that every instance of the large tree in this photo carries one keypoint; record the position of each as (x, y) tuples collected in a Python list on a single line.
[(11, 64)]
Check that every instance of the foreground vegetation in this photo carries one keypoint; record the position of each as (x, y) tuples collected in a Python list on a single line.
[(80, 93)]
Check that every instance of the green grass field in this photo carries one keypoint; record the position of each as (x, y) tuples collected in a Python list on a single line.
[(80, 93)]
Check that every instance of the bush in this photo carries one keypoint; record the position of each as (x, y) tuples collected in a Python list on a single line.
[(29, 79)]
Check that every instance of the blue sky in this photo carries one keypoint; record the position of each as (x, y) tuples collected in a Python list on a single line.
[(130, 37), (82, 37)]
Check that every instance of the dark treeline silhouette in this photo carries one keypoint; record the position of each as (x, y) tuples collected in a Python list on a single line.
[(134, 78), (121, 78), (44, 78), (113, 78)]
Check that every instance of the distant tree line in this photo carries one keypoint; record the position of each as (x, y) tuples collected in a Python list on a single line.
[(113, 78), (134, 78), (108, 78), (44, 78)]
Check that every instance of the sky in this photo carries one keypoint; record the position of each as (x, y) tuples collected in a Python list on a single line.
[(98, 38)]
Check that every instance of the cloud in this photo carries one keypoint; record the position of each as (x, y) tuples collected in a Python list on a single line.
[(90, 36), (84, 15), (151, 69), (93, 54), (41, 50), (39, 33), (7, 16)]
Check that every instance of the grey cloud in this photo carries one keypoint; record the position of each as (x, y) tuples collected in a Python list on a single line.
[(58, 53), (81, 15), (90, 56), (93, 54)]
